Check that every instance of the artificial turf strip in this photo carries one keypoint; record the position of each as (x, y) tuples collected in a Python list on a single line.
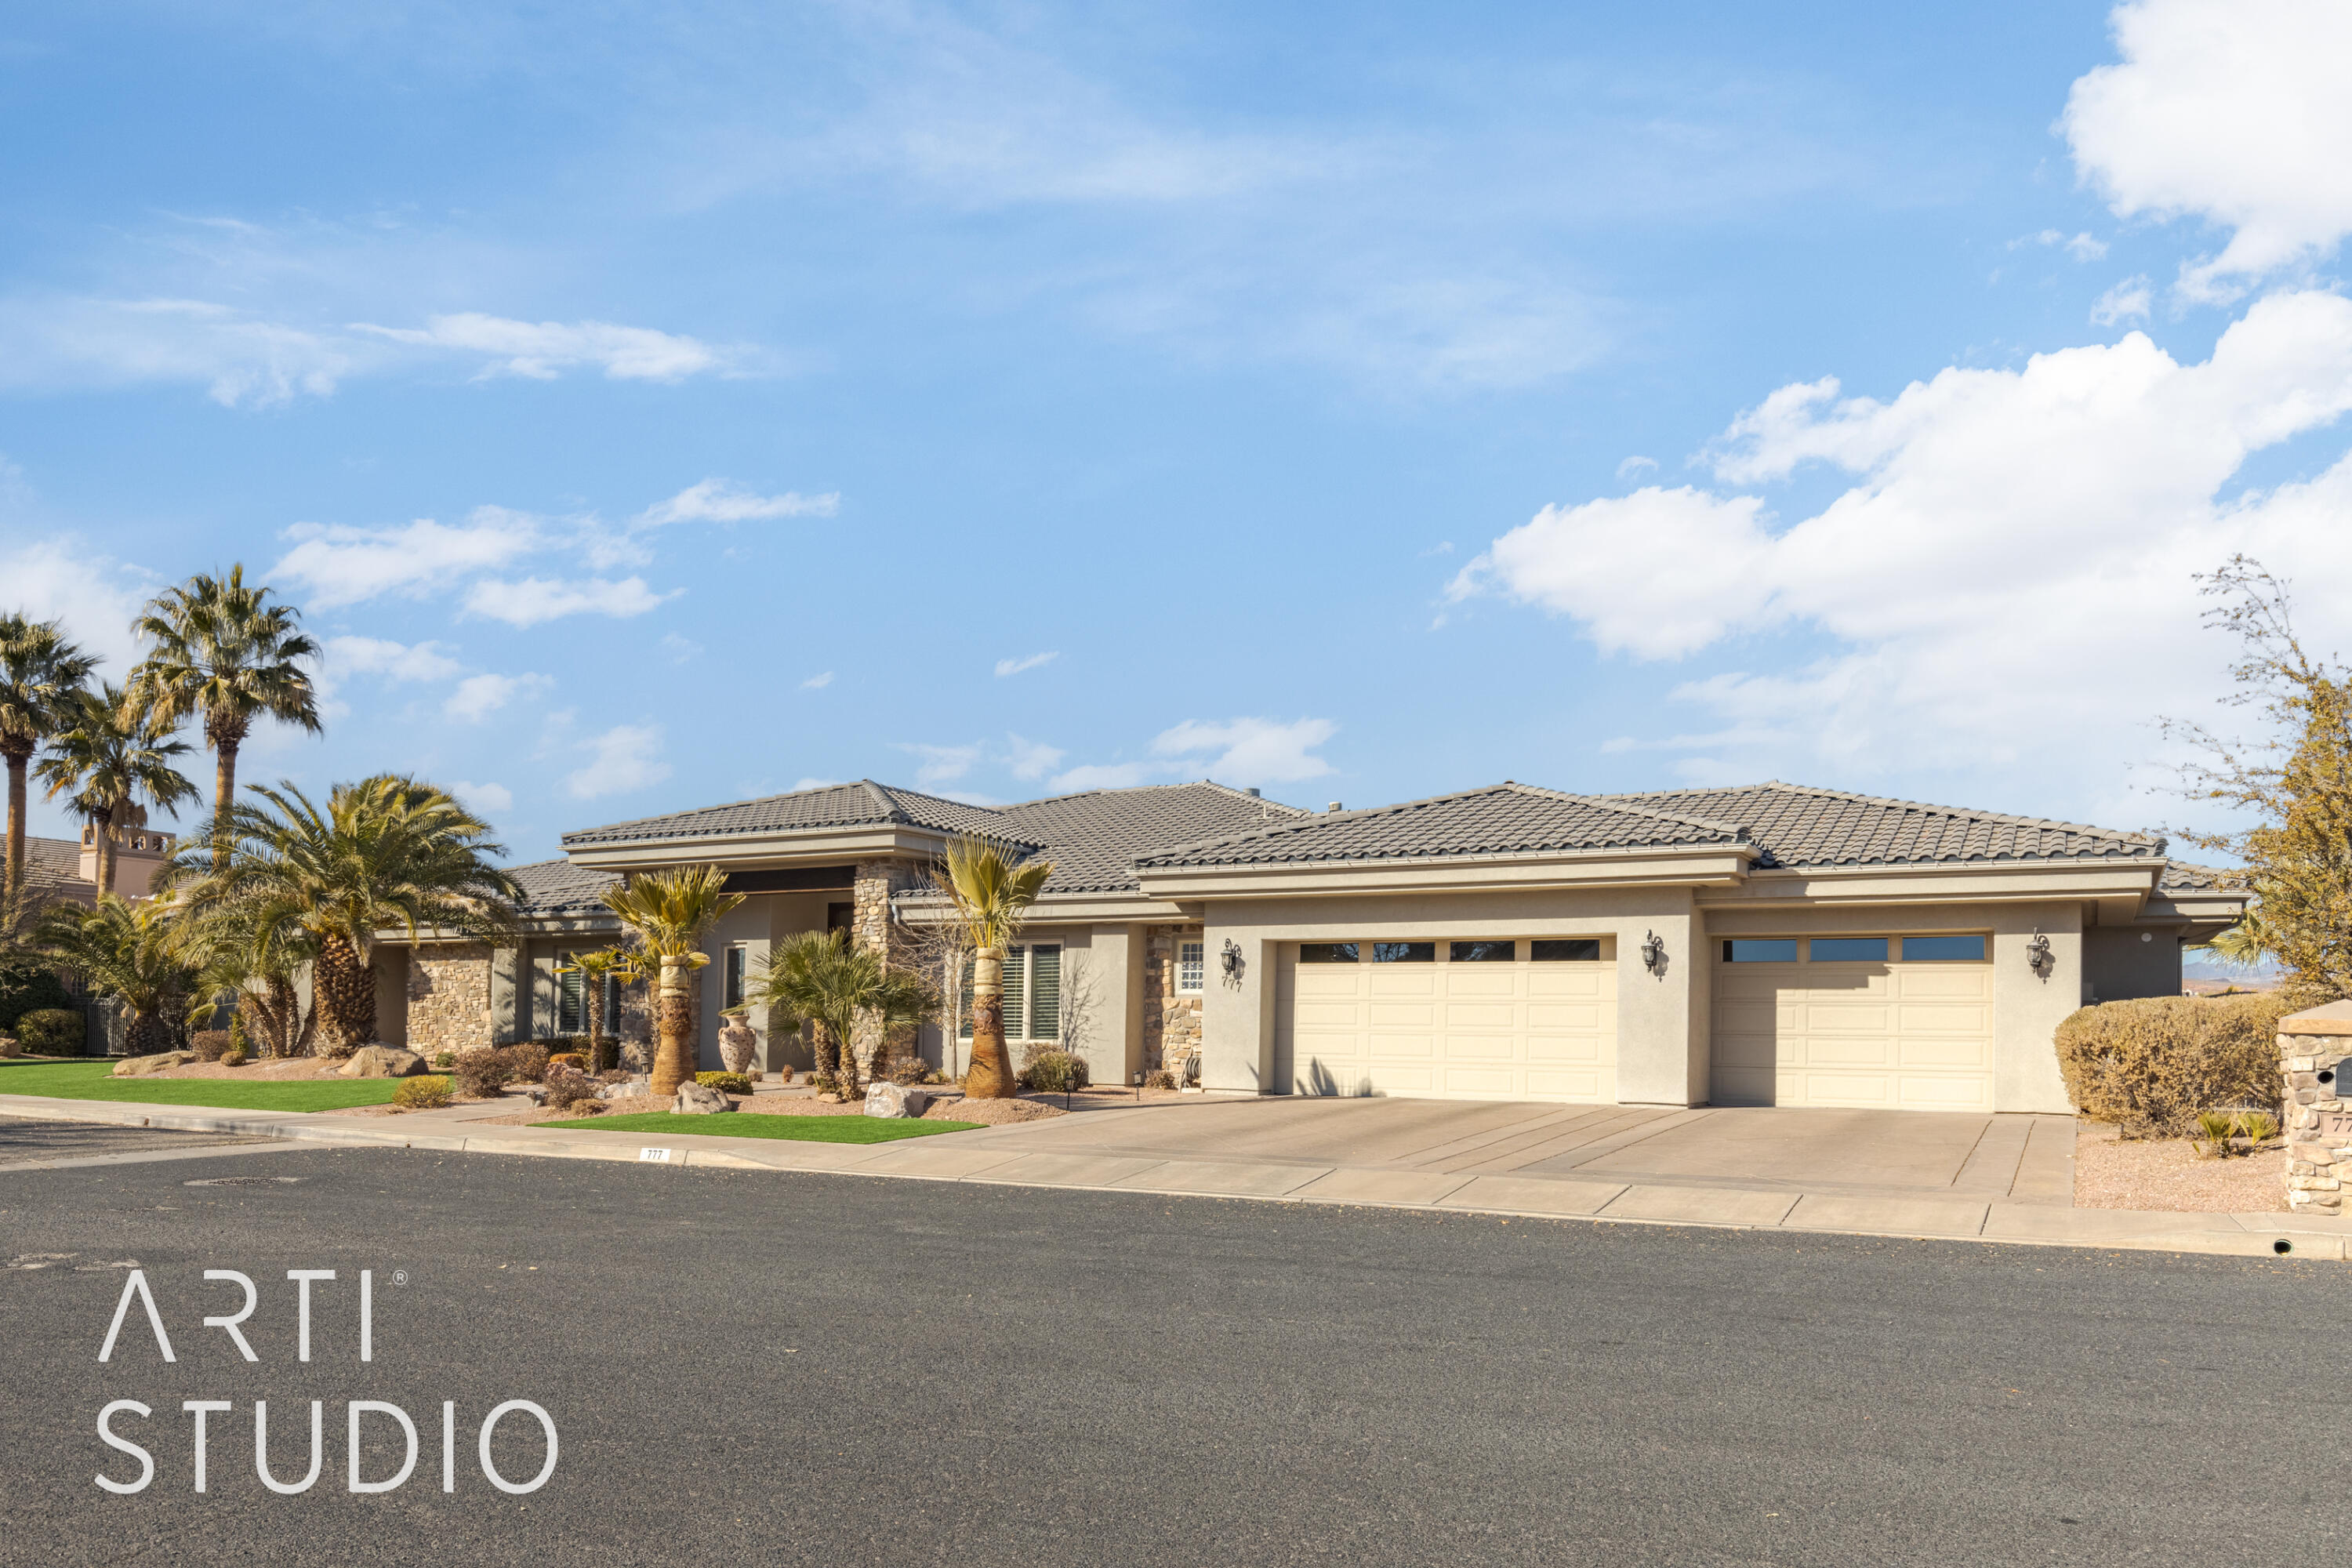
[(755, 1124), (95, 1080)]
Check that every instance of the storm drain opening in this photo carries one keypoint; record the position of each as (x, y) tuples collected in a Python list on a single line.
[(241, 1180)]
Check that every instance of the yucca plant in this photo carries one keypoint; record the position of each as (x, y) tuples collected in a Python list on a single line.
[(992, 891), (593, 969), (671, 911), (822, 977), (129, 951)]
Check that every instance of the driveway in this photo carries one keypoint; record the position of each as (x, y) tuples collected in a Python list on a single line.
[(2017, 1158)]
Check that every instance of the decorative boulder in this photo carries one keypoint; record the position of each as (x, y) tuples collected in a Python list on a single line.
[(701, 1099), (381, 1061), (139, 1066), (895, 1099), (9, 1048), (627, 1089)]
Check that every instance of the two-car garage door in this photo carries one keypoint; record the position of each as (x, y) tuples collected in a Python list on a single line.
[(1891, 1023), (1449, 1019)]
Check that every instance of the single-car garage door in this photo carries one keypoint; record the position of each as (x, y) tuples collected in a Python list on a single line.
[(1447, 1018), (1897, 1023)]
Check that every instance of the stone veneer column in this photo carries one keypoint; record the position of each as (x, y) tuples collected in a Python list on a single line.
[(870, 926), (1171, 1020), (2319, 1114), (448, 998)]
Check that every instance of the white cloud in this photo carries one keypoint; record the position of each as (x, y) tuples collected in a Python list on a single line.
[(340, 565), (1108, 775), (1005, 667), (2008, 573), (422, 661), (488, 799), (544, 350), (2081, 247), (2129, 301), (93, 597), (941, 764), (681, 650), (537, 599), (1031, 759), (815, 784), (47, 339), (2231, 110), (623, 758), (722, 501), (1250, 751), (1636, 465), (817, 682), (479, 696)]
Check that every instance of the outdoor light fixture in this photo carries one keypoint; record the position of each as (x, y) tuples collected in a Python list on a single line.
[(2037, 955), (1653, 954), (1229, 961)]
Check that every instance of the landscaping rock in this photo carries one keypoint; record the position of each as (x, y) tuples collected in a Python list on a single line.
[(381, 1061), (894, 1100), (701, 1099), (630, 1089), (9, 1048), (139, 1066)]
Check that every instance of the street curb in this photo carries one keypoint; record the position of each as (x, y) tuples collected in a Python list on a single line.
[(839, 1159)]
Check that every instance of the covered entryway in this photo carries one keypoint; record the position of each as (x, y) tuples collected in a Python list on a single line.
[(1885, 1022), (1447, 1018)]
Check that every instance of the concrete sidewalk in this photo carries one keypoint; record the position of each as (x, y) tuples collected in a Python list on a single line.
[(1088, 1152)]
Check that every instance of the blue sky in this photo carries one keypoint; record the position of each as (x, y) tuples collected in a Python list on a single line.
[(652, 406)]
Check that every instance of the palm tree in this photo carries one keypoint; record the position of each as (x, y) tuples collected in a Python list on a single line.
[(820, 974), (2243, 945), (256, 952), (41, 675), (385, 853), (671, 911), (594, 969), (129, 951), (221, 650), (992, 894), (114, 758)]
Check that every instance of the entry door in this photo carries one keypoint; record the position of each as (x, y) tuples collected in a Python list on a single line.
[(1891, 1034)]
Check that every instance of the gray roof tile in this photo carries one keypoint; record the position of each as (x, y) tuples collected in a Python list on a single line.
[(1095, 839), (861, 804), (1799, 826), (557, 888)]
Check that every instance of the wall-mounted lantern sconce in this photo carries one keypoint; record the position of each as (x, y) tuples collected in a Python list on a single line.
[(1230, 961), (1653, 954), (2037, 955)]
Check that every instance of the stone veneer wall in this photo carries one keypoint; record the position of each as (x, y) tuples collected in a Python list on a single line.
[(2318, 1115), (870, 926), (1171, 1021), (448, 998)]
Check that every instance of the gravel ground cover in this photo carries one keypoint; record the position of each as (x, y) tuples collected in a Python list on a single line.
[(2116, 1172), (970, 1112)]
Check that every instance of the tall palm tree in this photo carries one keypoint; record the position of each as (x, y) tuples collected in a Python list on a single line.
[(385, 853), (990, 892), (594, 969), (820, 974), (671, 911), (117, 761), (41, 675), (221, 650), (129, 951)]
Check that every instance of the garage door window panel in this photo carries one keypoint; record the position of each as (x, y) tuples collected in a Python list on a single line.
[(1849, 950), (1404, 952), (1326, 953), (1574, 950), (1483, 952), (1943, 949), (1752, 949)]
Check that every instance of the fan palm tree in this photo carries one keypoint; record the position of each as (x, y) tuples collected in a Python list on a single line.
[(386, 853), (222, 651), (117, 761), (41, 677), (821, 975), (595, 968), (991, 893), (671, 911), (129, 951)]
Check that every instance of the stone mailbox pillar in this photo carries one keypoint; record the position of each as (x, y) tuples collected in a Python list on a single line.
[(2316, 1051)]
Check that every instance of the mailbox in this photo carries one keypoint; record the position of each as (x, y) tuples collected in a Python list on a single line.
[(2331, 1078)]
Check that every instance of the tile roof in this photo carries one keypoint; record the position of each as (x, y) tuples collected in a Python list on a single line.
[(555, 887), (54, 860), (1095, 839), (1797, 826), (2183, 877), (1503, 819), (863, 804)]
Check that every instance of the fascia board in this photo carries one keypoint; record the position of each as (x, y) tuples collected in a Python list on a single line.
[(2197, 905), (1075, 909), (1713, 865), (762, 852), (2122, 886)]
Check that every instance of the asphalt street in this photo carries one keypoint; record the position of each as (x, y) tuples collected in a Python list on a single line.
[(759, 1367)]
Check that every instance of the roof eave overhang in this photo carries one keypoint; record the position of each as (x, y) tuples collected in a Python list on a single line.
[(1094, 908), (1714, 864), (2117, 890), (762, 851)]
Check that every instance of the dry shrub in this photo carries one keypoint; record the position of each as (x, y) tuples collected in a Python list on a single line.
[(422, 1093), (1056, 1072), (482, 1073), (726, 1082), (2150, 1066), (526, 1062), (210, 1045), (573, 1059), (568, 1086)]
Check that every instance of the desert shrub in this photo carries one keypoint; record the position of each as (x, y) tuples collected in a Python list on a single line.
[(482, 1073), (445, 1060), (1163, 1079), (426, 1093), (567, 1086), (2150, 1066), (726, 1082), (575, 1060), (234, 1056), (53, 1032), (27, 986), (1056, 1072), (210, 1045), (527, 1062), (615, 1075), (782, 1074), (909, 1070)]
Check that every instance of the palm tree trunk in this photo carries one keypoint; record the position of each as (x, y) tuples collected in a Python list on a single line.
[(103, 827), (673, 1029), (991, 1077), (146, 1035), (224, 796), (16, 822), (345, 987), (595, 1022)]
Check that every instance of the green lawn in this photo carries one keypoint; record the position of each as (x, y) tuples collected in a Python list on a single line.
[(93, 1080), (749, 1124)]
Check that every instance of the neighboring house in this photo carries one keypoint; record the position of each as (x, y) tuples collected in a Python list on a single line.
[(69, 870), (1767, 944)]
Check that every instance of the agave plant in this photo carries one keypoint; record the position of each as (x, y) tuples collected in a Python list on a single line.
[(992, 892), (671, 911), (129, 951), (820, 976)]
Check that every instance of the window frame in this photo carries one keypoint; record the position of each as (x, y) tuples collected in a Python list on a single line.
[(1193, 972)]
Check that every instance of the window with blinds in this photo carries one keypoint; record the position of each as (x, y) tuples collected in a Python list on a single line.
[(1033, 995), (572, 999)]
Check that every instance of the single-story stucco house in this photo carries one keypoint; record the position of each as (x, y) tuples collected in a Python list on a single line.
[(1769, 944)]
